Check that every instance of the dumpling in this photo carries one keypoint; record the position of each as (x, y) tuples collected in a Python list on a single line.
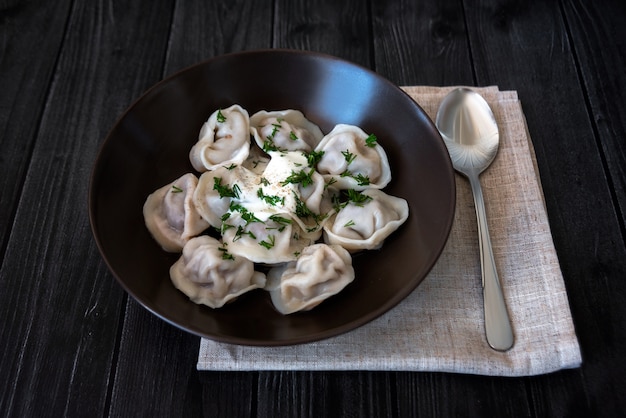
[(218, 188), (170, 215), (209, 274), (274, 240), (306, 199), (364, 221), (320, 272), (353, 159), (223, 140), (285, 130)]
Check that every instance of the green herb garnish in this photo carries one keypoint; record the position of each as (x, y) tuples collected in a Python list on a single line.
[(293, 136), (371, 141), (241, 232), (313, 157), (269, 244), (280, 220), (220, 118), (348, 156), (268, 145), (337, 203), (269, 199), (176, 189), (225, 191), (301, 177), (362, 180), (225, 254), (331, 181), (358, 198)]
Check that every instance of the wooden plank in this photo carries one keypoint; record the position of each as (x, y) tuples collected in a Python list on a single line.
[(62, 314), (24, 83), (157, 365), (317, 394), (199, 30), (336, 28), (599, 40), (229, 394), (525, 47), (598, 36), (421, 43)]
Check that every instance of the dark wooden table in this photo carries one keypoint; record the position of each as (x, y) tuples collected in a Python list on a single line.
[(75, 344)]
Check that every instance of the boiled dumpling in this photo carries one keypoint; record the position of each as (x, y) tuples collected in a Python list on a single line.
[(170, 215), (217, 189), (353, 159), (320, 272), (209, 274), (363, 223), (224, 140), (274, 240), (285, 130)]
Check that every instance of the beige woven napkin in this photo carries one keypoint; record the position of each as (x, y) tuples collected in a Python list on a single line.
[(440, 327)]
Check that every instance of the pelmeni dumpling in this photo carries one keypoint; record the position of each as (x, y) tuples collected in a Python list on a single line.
[(285, 130), (320, 272), (209, 274), (170, 215), (353, 159), (364, 225), (218, 188), (275, 240), (223, 140)]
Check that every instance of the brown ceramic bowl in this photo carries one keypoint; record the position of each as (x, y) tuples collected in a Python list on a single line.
[(149, 145)]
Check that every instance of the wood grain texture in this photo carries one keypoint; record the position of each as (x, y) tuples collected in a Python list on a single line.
[(590, 25), (201, 30), (24, 83), (336, 28), (525, 47), (63, 310), (421, 43), (153, 352)]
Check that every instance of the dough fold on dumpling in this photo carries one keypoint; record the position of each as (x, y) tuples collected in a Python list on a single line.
[(219, 188), (223, 140), (170, 215), (275, 240), (320, 272), (364, 225), (209, 274), (284, 130), (353, 159)]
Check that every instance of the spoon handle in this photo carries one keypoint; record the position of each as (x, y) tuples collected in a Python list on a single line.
[(497, 323)]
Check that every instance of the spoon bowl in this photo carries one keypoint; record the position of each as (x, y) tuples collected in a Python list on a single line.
[(470, 132)]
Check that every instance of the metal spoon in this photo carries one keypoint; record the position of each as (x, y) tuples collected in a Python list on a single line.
[(470, 132)]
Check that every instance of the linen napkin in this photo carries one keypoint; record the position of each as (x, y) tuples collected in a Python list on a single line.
[(440, 325)]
